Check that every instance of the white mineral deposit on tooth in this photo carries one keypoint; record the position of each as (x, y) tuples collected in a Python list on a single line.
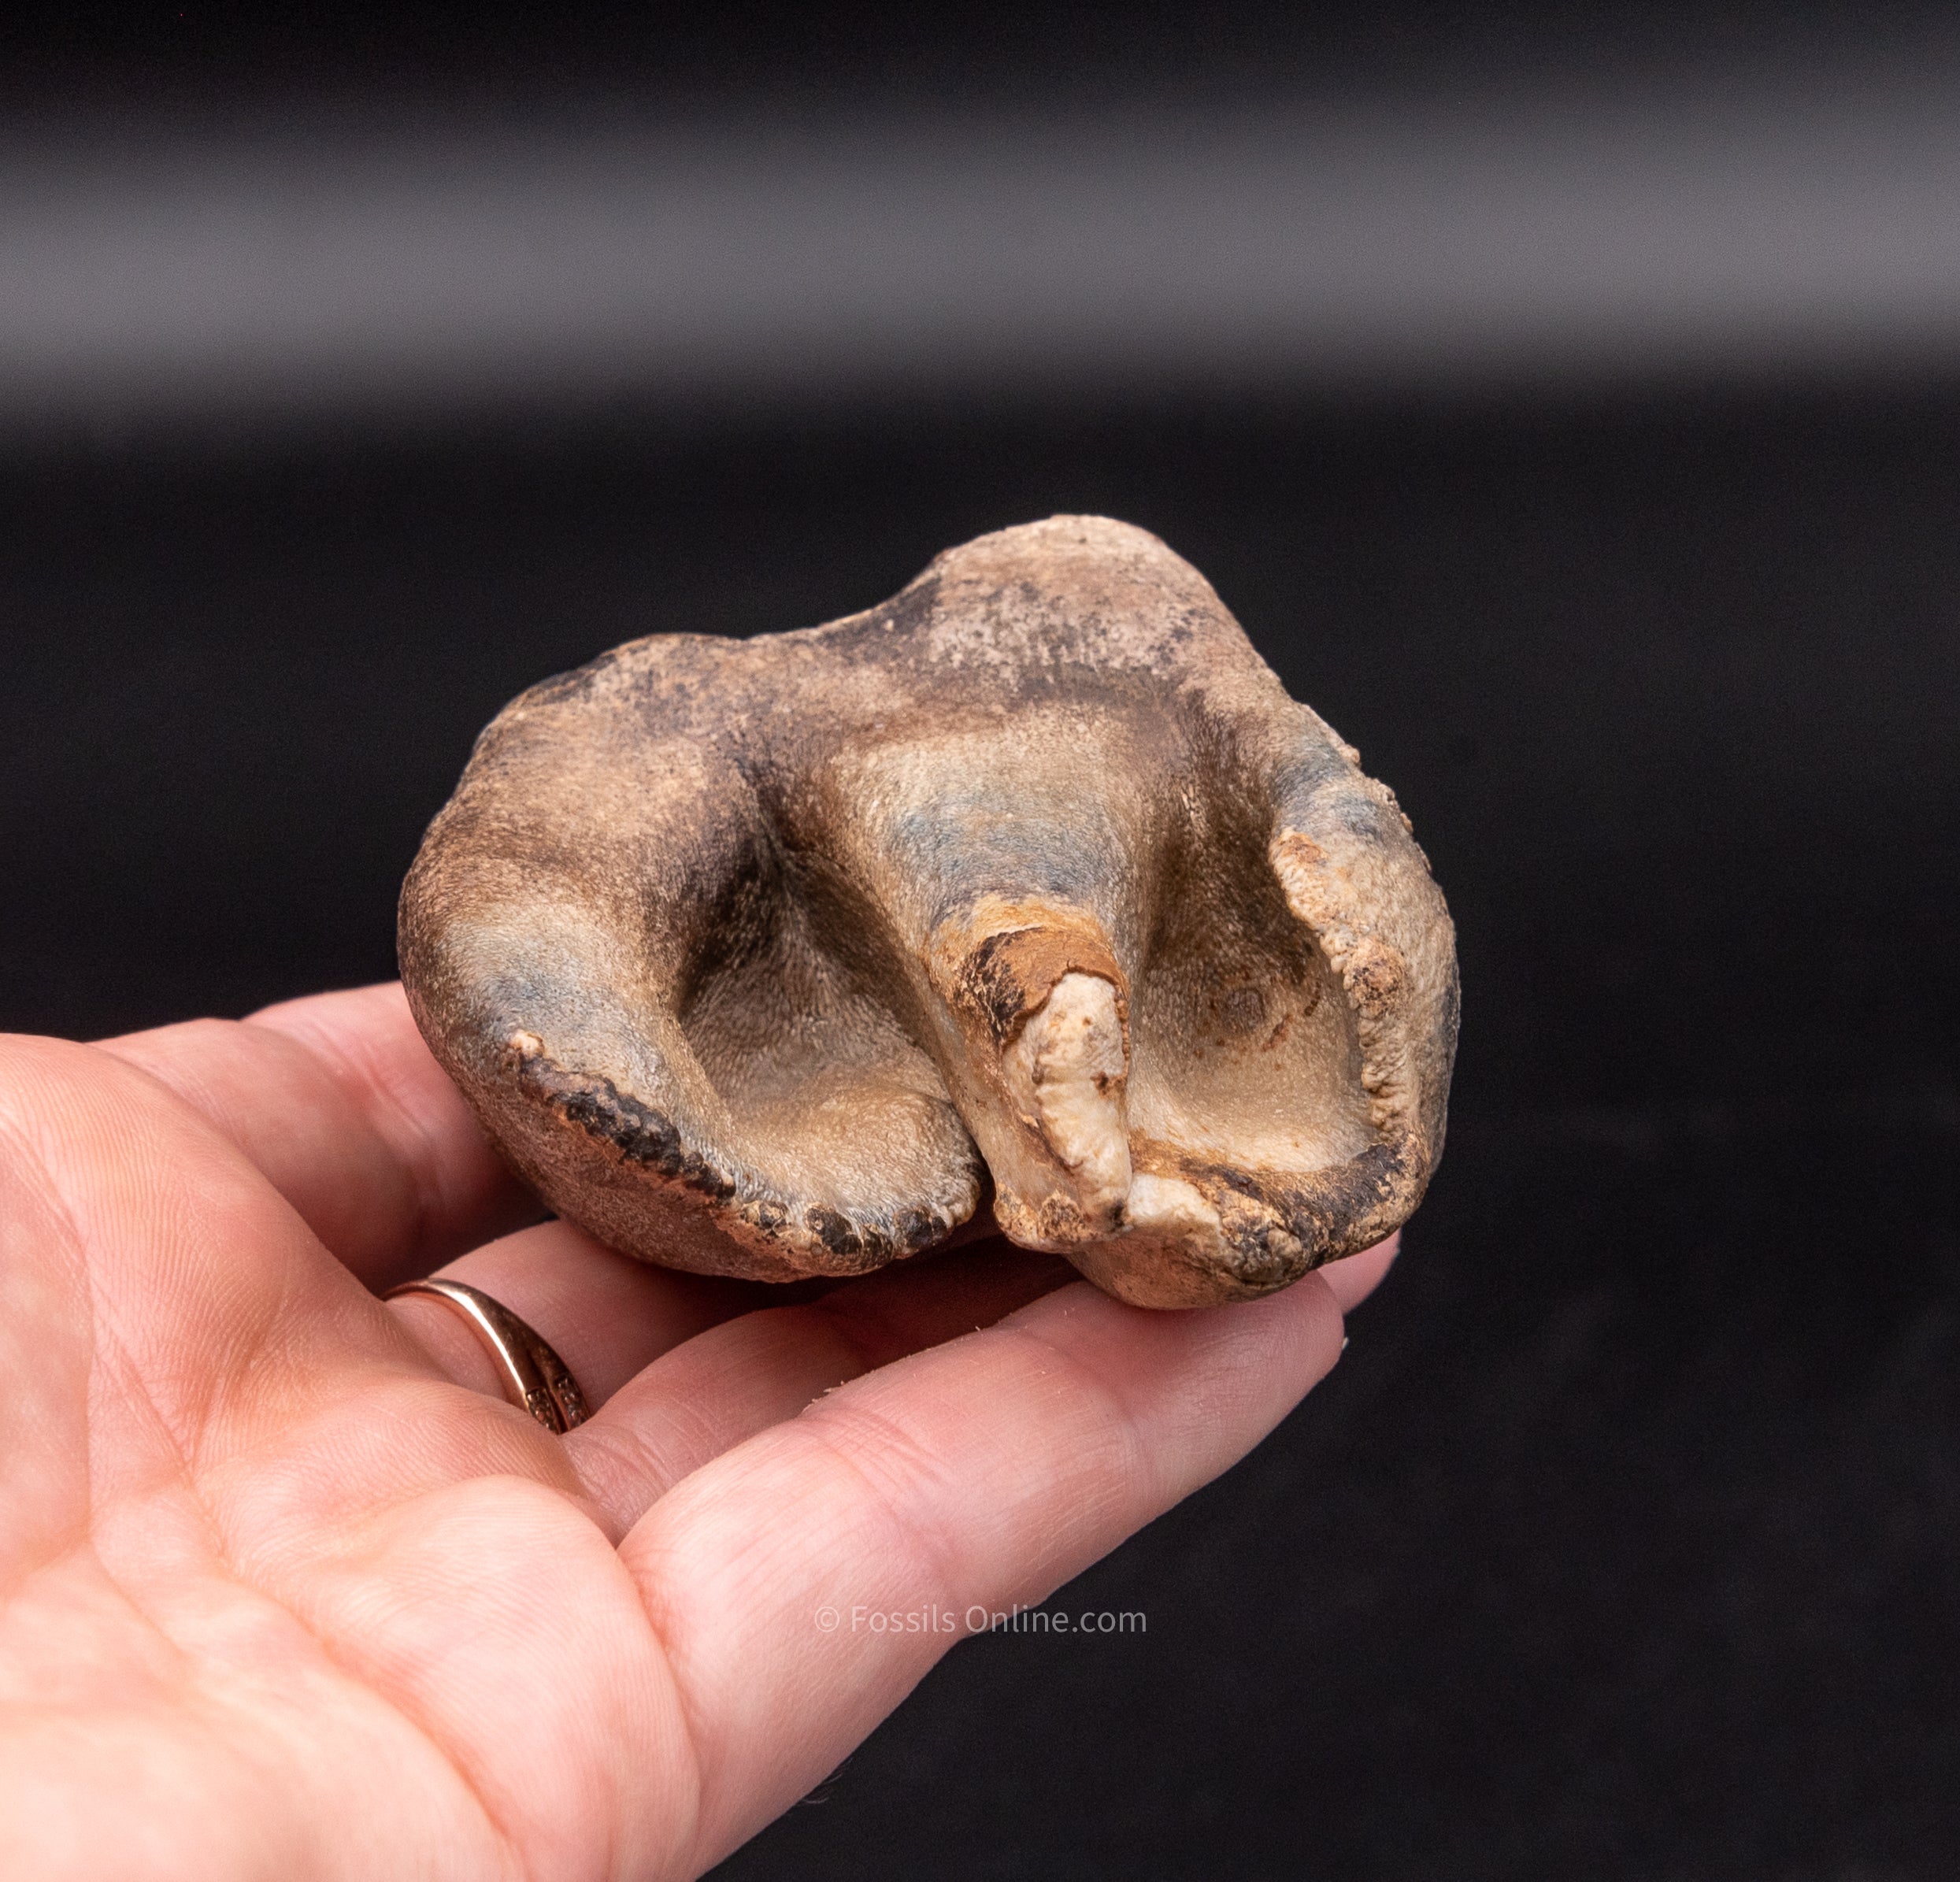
[(1170, 1207), (1069, 1061)]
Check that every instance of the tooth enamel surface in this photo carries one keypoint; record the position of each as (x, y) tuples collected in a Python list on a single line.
[(1067, 1069), (1170, 1207)]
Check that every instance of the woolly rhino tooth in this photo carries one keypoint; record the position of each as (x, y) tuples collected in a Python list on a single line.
[(771, 957)]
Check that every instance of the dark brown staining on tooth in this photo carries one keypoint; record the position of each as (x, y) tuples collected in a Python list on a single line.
[(1001, 976), (1374, 978), (1242, 1010)]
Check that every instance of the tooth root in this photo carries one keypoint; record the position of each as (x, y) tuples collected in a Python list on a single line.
[(1067, 1070)]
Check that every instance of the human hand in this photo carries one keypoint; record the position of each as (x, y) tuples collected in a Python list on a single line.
[(287, 1587)]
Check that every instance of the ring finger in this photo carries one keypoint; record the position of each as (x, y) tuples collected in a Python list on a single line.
[(606, 1315)]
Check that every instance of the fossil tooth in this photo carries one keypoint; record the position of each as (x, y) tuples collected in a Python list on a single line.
[(1031, 886)]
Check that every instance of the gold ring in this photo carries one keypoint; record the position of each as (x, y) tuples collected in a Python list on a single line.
[(533, 1375)]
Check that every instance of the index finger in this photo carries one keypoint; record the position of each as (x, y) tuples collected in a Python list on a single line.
[(340, 1105)]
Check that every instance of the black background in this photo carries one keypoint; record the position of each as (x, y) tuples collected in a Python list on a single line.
[(1622, 1541)]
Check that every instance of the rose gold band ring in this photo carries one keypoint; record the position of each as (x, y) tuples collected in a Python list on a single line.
[(533, 1375)]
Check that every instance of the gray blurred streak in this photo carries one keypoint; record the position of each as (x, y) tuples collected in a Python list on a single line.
[(152, 275)]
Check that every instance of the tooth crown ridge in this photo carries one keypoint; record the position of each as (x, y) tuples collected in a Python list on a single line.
[(1029, 887)]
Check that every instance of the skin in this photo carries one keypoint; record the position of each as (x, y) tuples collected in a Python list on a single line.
[(288, 1590)]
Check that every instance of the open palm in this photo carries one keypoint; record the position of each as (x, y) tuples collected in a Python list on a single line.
[(286, 1588)]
